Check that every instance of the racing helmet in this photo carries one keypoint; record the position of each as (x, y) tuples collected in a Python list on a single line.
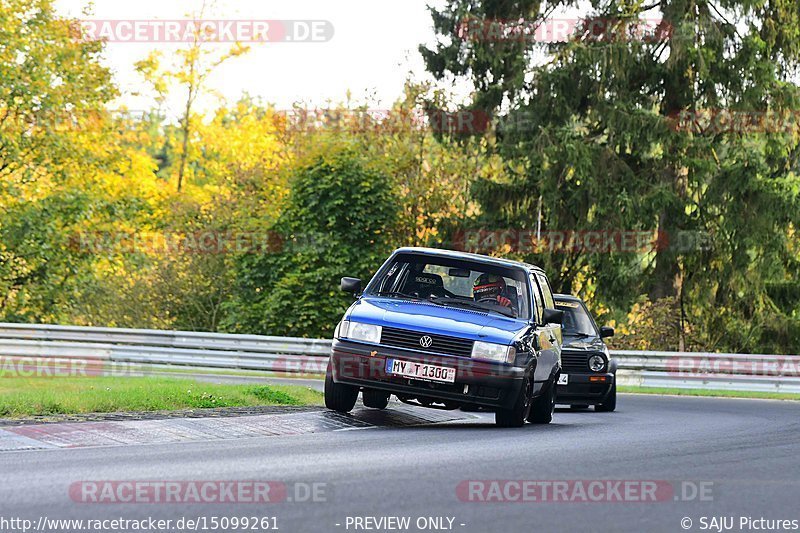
[(488, 287)]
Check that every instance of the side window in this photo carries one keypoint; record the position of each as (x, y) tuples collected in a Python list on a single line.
[(394, 278), (549, 302), (537, 299)]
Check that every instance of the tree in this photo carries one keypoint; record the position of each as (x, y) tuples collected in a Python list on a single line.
[(52, 86), (432, 179), (186, 279), (337, 222), (191, 69), (595, 122)]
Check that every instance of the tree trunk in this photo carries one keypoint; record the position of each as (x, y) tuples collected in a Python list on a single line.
[(186, 132), (666, 278)]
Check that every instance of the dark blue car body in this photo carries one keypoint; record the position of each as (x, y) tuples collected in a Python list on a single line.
[(407, 322)]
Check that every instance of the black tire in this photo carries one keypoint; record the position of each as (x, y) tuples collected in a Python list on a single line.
[(375, 399), (544, 406), (338, 396), (516, 415), (610, 403)]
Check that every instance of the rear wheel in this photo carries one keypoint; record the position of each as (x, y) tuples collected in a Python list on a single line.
[(610, 403), (516, 415), (375, 399), (338, 396), (544, 406)]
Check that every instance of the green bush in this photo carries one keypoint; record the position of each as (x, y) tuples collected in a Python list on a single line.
[(335, 225)]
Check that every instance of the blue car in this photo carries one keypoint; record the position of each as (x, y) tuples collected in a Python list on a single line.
[(445, 330)]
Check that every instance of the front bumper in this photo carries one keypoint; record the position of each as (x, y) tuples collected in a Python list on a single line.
[(581, 390), (476, 382)]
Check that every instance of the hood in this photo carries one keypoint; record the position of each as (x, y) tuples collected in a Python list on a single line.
[(583, 344), (427, 317)]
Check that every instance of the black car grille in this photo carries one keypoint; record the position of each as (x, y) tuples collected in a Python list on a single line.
[(441, 344), (575, 362)]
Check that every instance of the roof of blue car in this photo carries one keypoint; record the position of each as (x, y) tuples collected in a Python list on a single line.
[(467, 255)]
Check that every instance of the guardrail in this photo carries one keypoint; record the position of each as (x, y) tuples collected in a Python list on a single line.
[(121, 350), (127, 349), (713, 371)]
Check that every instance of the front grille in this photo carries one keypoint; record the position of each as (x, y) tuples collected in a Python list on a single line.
[(575, 362), (402, 338)]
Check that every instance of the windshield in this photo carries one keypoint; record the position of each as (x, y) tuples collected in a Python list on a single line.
[(456, 283), (577, 321)]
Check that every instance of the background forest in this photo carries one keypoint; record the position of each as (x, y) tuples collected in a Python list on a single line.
[(244, 218)]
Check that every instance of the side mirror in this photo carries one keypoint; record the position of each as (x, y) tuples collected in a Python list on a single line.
[(606, 332), (351, 285), (553, 316)]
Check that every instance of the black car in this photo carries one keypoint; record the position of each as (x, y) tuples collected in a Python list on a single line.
[(588, 375), (446, 329)]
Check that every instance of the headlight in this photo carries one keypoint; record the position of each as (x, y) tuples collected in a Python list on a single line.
[(357, 331), (488, 351), (597, 363)]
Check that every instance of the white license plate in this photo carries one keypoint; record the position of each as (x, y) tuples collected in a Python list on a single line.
[(563, 379), (410, 369)]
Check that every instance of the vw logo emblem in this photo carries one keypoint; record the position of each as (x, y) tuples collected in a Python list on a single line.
[(426, 342)]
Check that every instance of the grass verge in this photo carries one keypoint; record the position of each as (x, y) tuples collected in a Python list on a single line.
[(707, 392), (223, 372), (50, 396)]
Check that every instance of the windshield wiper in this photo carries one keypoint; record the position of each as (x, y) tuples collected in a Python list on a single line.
[(579, 334), (446, 300)]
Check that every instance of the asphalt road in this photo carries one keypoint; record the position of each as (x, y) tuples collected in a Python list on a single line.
[(745, 454)]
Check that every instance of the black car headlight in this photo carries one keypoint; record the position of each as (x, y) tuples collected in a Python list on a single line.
[(597, 363)]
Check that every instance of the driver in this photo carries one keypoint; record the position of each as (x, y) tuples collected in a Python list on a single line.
[(490, 288)]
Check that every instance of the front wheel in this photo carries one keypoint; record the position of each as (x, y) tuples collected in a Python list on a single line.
[(610, 403), (516, 415), (338, 396), (544, 406)]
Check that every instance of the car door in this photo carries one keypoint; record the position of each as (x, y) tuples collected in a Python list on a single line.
[(549, 334)]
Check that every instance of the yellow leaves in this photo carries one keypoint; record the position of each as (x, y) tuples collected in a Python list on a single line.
[(244, 159), (237, 50), (650, 325), (150, 69)]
